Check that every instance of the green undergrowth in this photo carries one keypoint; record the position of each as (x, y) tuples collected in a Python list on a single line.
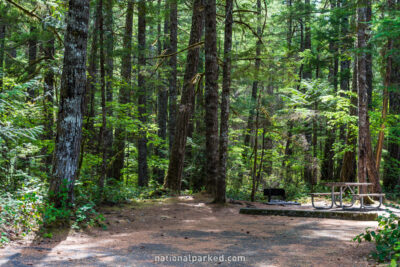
[(386, 238), (22, 213)]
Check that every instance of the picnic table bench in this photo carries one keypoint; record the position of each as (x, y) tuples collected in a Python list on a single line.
[(343, 187)]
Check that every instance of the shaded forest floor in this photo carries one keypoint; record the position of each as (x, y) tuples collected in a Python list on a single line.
[(138, 232)]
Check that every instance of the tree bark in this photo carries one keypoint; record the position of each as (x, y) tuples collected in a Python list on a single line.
[(366, 161), (260, 166), (255, 152), (173, 20), (89, 112), (349, 165), (177, 155), (124, 94), (391, 178), (2, 48), (286, 162), (345, 44), (48, 102), (289, 34), (307, 74), (211, 96), (307, 37), (142, 142), (327, 168), (379, 145), (32, 54), (69, 123), (254, 89), (109, 75), (103, 132), (162, 115), (226, 87), (89, 107)]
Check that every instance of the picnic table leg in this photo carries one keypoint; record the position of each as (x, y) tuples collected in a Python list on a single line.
[(361, 203), (341, 197), (380, 202), (352, 198), (333, 197), (312, 202)]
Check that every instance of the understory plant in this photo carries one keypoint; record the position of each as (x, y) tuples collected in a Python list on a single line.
[(20, 214), (386, 238)]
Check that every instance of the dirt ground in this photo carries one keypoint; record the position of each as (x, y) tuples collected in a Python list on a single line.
[(144, 234)]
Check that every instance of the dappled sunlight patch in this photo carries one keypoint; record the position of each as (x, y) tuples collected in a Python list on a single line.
[(196, 205), (189, 221), (329, 233), (186, 198), (198, 228)]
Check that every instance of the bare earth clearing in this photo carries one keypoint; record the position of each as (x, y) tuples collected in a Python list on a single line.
[(136, 234)]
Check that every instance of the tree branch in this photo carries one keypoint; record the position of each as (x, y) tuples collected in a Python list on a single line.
[(31, 14), (180, 51)]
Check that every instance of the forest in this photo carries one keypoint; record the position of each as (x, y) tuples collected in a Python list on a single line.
[(105, 102)]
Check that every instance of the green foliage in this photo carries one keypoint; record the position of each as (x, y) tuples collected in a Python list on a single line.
[(20, 213), (386, 238), (47, 235), (86, 216)]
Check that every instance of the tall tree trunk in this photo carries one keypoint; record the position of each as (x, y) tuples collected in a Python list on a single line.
[(260, 166), (32, 54), (142, 142), (254, 89), (48, 49), (88, 111), (103, 131), (109, 70), (391, 177), (289, 34), (368, 56), (124, 94), (307, 74), (345, 44), (349, 165), (2, 48), (255, 153), (327, 170), (162, 115), (286, 162), (211, 95), (226, 87), (173, 20), (69, 123), (366, 161), (177, 155), (379, 145), (91, 80), (307, 37)]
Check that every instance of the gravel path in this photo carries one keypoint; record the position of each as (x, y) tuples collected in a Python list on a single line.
[(201, 234)]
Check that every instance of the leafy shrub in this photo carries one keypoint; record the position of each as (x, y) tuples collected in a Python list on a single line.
[(82, 213), (393, 193), (87, 215), (20, 214), (386, 238)]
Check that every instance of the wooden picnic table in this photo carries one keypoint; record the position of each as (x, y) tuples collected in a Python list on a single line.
[(343, 187)]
